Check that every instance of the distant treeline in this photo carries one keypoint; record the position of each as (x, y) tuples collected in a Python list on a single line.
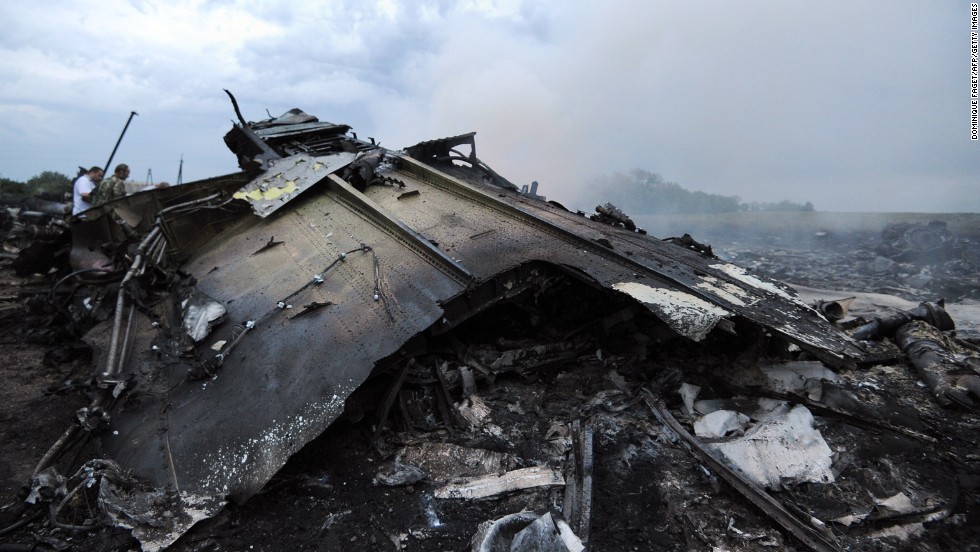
[(48, 185), (643, 192)]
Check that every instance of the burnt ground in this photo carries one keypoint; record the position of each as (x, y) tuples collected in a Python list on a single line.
[(919, 257), (649, 492)]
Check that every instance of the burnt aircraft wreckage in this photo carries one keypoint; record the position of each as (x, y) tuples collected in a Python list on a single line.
[(257, 303)]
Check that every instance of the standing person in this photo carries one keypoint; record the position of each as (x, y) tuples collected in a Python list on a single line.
[(83, 188), (113, 187)]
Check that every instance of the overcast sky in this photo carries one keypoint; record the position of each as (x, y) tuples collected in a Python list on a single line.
[(851, 105)]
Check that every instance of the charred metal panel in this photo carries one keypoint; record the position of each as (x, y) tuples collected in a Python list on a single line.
[(472, 220), (259, 144), (370, 271), (442, 153), (437, 151), (95, 235), (288, 378)]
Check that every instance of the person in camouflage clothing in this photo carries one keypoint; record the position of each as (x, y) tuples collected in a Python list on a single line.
[(113, 187)]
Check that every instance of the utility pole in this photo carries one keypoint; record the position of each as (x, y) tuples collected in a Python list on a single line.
[(113, 154)]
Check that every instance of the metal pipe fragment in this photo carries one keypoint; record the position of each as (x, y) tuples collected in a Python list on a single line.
[(127, 339), (835, 310), (577, 505), (55, 449), (110, 367), (936, 365), (933, 313)]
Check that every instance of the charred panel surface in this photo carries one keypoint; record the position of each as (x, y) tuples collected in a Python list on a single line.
[(657, 273), (288, 377), (325, 282)]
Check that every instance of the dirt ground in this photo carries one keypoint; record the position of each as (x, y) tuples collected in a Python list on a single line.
[(650, 493)]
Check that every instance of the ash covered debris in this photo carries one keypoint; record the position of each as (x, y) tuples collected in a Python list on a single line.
[(918, 261), (34, 235), (613, 216), (349, 346)]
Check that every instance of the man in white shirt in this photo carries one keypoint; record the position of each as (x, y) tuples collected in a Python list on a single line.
[(83, 188)]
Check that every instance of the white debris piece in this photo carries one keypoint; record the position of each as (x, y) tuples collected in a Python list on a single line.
[(526, 531), (688, 394), (200, 318), (707, 406), (787, 377), (490, 485), (473, 410), (793, 376), (760, 409), (851, 519), (496, 535), (900, 532), (898, 504), (781, 451), (721, 423), (768, 409), (547, 534)]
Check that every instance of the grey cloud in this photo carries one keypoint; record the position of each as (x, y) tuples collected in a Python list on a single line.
[(837, 103)]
